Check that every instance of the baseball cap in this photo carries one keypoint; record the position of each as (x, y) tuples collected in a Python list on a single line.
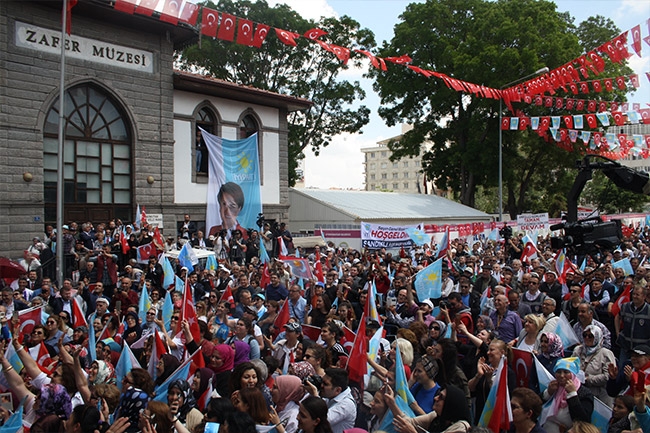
[(103, 299), (427, 302), (293, 327), (641, 350)]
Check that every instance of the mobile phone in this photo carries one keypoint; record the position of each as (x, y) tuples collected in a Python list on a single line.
[(15, 315), (211, 427), (160, 314), (391, 301), (118, 307)]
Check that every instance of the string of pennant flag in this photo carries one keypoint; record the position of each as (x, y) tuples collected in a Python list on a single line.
[(579, 76), (243, 31)]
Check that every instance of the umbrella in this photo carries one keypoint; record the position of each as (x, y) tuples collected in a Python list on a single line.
[(10, 269)]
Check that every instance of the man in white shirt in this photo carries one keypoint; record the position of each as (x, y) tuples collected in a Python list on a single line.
[(342, 410)]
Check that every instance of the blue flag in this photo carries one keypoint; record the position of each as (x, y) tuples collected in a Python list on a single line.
[(401, 384), (125, 364), (187, 257), (625, 265), (211, 263), (15, 421), (180, 285), (168, 280), (419, 237), (144, 305), (167, 310), (181, 373), (428, 282), (92, 345), (387, 422), (264, 255)]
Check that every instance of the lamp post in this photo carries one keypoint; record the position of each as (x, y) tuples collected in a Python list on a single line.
[(539, 71)]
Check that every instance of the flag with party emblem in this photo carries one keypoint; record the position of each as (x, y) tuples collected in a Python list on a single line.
[(428, 282), (601, 415), (187, 257), (181, 373), (497, 414), (125, 364), (370, 308), (264, 255), (299, 267), (144, 304), (211, 263), (13, 358), (168, 271), (15, 422), (566, 332), (544, 377), (419, 237), (625, 265), (401, 384), (374, 344)]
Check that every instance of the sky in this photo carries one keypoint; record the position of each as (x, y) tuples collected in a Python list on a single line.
[(340, 165)]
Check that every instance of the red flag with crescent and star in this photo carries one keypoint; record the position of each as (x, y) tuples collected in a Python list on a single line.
[(189, 313), (522, 364), (27, 320)]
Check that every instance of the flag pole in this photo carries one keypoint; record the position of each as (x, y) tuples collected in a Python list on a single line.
[(60, 258)]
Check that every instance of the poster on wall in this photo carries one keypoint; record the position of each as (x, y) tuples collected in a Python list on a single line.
[(234, 193), (376, 236)]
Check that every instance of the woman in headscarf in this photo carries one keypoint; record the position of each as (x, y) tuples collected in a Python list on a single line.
[(287, 392), (222, 361), (133, 330), (165, 367), (551, 350), (437, 331), (132, 401), (101, 372), (594, 359), (52, 406), (200, 382), (242, 352), (450, 413), (425, 387), (183, 405), (570, 400), (302, 370)]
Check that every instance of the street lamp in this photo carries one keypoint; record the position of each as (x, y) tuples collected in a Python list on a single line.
[(537, 72)]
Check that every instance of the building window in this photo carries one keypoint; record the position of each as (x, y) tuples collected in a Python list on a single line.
[(383, 154), (395, 175), (406, 185), (384, 186), (395, 164), (417, 163), (372, 165), (372, 154), (396, 185), (406, 164), (372, 176), (384, 165), (406, 175), (248, 126), (372, 187), (384, 176), (206, 120), (97, 171)]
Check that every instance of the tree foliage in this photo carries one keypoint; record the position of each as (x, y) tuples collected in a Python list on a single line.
[(489, 43), (306, 71)]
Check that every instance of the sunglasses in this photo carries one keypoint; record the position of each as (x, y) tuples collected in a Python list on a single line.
[(574, 291), (435, 328), (151, 314), (37, 333), (175, 317), (585, 335)]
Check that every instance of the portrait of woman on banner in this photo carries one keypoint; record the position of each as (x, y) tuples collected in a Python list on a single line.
[(231, 201)]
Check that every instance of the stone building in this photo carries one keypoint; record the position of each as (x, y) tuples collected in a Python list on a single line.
[(131, 121)]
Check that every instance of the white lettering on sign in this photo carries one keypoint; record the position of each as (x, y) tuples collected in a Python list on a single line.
[(49, 41), (532, 222)]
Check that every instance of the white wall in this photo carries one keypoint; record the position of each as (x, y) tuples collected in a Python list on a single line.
[(185, 103)]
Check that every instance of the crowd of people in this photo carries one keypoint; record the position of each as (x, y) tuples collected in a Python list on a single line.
[(260, 374)]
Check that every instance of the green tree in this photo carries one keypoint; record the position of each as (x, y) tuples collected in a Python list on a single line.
[(609, 198), (489, 43), (306, 71)]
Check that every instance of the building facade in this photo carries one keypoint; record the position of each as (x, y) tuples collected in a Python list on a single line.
[(131, 121)]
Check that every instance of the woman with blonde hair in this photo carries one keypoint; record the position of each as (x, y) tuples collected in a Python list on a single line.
[(530, 334)]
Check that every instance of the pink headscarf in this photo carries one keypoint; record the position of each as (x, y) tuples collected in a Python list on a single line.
[(227, 356), (289, 389)]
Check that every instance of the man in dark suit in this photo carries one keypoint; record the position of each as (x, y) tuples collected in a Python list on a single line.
[(187, 228), (10, 303), (64, 302), (201, 242)]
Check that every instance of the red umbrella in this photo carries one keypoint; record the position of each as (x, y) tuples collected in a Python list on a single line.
[(10, 269)]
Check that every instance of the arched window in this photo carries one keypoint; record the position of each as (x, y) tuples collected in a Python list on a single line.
[(248, 126), (97, 157), (207, 120)]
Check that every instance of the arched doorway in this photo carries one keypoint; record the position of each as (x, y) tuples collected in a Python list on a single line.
[(97, 158)]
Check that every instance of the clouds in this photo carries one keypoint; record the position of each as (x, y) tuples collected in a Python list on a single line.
[(311, 9)]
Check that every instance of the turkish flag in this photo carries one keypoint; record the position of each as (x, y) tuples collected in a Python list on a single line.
[(624, 107), (227, 27), (261, 32), (318, 268), (524, 122), (580, 105), (634, 79), (287, 37), (127, 6), (347, 341), (227, 297), (558, 103), (314, 34), (548, 102), (624, 297), (522, 364), (373, 59), (145, 251), (198, 361), (44, 360), (68, 20), (602, 107), (613, 106), (591, 120), (245, 32), (401, 60), (311, 332), (124, 242), (265, 280), (591, 106), (620, 43), (358, 360), (529, 252), (609, 48), (209, 22), (78, 318), (505, 123), (598, 136), (189, 313), (568, 121), (190, 13), (636, 39), (620, 83), (584, 88), (282, 319), (645, 114), (570, 103), (171, 11), (158, 240), (544, 123), (609, 84), (146, 7), (342, 53), (597, 86), (27, 320), (619, 118)]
